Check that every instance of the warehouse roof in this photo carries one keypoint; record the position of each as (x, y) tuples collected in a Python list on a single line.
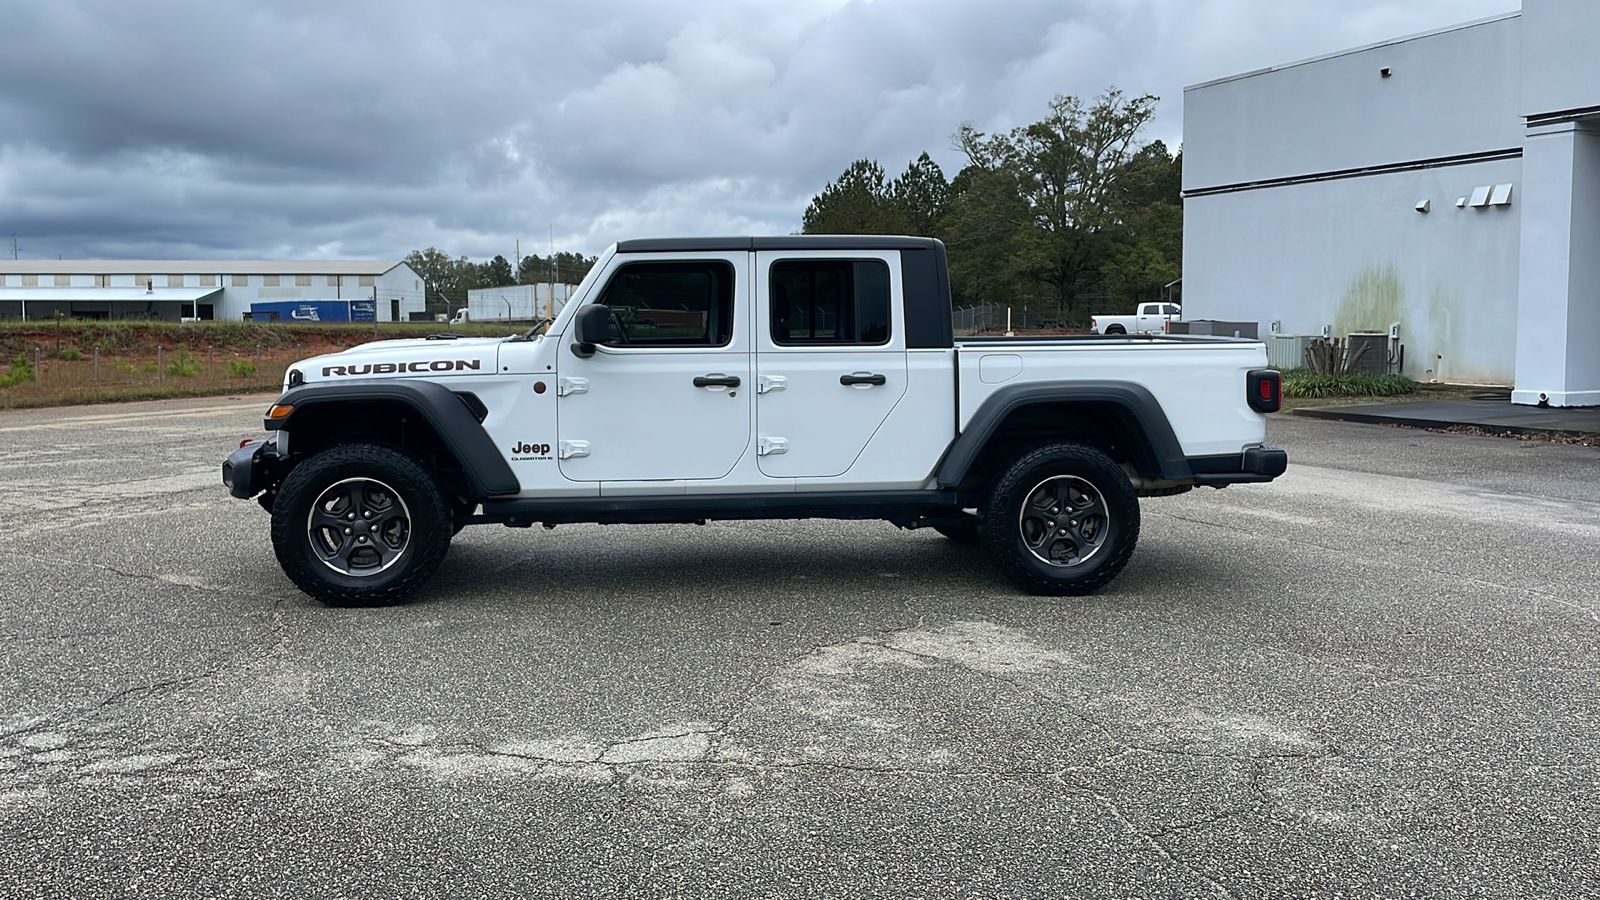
[(197, 266)]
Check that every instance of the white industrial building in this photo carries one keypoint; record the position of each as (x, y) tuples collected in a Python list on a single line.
[(1445, 186), (203, 289)]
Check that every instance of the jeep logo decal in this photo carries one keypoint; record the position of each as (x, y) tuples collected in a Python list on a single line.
[(386, 368)]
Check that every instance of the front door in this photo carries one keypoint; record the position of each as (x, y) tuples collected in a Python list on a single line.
[(666, 398), (830, 358)]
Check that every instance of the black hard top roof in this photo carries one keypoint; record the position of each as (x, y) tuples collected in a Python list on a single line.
[(784, 242)]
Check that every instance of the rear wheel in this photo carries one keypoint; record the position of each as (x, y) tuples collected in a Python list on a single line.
[(1116, 329), (1062, 519), (360, 525)]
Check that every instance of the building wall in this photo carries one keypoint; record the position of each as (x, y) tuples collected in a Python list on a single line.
[(398, 290), (1354, 254), (1301, 190), (1559, 41), (1450, 93)]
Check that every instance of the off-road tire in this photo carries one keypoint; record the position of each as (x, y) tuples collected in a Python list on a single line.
[(428, 525), (1099, 529)]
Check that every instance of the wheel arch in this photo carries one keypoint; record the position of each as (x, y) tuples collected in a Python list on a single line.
[(420, 416), (1122, 419)]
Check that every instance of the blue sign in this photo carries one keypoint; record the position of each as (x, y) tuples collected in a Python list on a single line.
[(313, 311)]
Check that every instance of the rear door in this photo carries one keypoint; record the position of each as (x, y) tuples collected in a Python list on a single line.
[(830, 357)]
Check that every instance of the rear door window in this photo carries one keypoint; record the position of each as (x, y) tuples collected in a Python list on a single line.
[(830, 301)]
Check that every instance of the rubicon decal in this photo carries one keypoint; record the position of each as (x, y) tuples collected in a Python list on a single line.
[(395, 368)]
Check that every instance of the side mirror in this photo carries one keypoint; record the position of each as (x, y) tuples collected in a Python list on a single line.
[(593, 327)]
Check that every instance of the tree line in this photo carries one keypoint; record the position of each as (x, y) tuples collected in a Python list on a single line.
[(448, 279), (1066, 217)]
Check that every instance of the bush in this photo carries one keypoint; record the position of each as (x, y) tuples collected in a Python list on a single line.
[(183, 365), (151, 367), (1306, 383), (241, 368), (70, 354), (21, 370), (126, 367)]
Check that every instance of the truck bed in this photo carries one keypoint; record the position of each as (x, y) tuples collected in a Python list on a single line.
[(1200, 382)]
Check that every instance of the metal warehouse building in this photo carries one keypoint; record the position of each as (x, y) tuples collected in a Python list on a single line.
[(1445, 187), (205, 289)]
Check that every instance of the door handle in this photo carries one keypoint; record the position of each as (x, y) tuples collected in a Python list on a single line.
[(716, 381), (848, 380)]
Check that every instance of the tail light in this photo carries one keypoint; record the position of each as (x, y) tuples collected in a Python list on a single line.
[(1264, 390)]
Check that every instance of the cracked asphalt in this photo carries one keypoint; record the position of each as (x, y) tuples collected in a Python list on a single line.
[(1376, 677)]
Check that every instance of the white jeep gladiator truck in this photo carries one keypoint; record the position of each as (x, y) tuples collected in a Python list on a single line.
[(751, 378), (1150, 319)]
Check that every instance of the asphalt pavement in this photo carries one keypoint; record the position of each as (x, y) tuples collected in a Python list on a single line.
[(1375, 677)]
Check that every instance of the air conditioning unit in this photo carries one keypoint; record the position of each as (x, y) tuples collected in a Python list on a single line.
[(1374, 358), (1288, 351)]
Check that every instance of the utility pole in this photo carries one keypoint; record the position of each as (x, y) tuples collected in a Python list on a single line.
[(13, 245)]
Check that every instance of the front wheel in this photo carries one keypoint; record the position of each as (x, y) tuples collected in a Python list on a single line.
[(360, 525), (1062, 519)]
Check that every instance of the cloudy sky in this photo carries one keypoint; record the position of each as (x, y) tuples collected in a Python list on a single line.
[(366, 129)]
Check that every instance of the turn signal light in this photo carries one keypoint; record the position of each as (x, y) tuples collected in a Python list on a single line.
[(280, 411), (1264, 390)]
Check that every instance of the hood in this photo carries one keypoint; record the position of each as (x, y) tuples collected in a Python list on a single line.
[(408, 358)]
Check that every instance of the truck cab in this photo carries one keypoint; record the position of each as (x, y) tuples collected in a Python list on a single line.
[(1151, 318)]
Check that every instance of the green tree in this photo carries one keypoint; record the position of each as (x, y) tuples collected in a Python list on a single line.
[(988, 231), (1146, 254), (852, 204), (1067, 170), (563, 267), (437, 268), (495, 273)]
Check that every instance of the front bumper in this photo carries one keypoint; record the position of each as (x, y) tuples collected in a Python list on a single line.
[(252, 468), (1254, 466)]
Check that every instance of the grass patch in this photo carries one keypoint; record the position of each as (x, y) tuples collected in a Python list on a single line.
[(241, 368), (183, 365), (114, 338), (21, 371), (1308, 384)]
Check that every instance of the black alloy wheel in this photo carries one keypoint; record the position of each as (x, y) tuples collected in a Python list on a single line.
[(1063, 519), (360, 525)]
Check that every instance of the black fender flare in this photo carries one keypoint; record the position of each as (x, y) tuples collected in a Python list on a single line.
[(1135, 398), (443, 410)]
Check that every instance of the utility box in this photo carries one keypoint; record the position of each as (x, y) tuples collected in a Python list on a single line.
[(1374, 358), (1288, 351)]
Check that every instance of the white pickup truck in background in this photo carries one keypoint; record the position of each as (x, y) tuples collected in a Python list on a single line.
[(752, 378), (1152, 318)]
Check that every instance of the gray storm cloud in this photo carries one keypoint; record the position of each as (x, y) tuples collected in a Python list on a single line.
[(366, 129)]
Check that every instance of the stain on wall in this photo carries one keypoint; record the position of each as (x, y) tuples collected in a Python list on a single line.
[(1374, 300)]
